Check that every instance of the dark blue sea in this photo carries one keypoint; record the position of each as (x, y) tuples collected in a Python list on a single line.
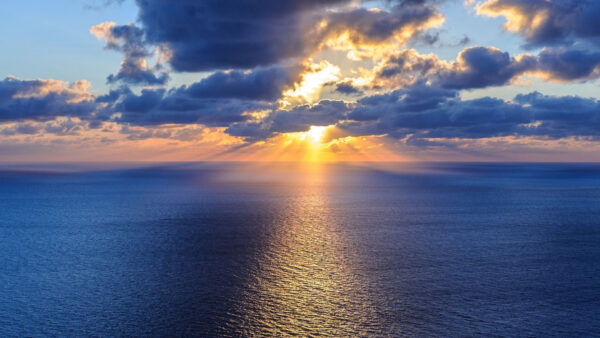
[(262, 249)]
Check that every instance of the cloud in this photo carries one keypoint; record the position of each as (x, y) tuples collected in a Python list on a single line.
[(347, 88), (20, 129), (562, 116), (265, 84), (216, 35), (219, 100), (60, 126), (222, 98), (569, 65), (369, 27), (419, 115), (129, 40), (480, 67), (475, 67), (300, 118), (427, 116), (65, 126), (424, 112), (544, 22), (43, 100), (158, 106)]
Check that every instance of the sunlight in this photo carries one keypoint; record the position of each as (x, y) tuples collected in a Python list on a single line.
[(315, 134), (309, 88), (317, 144)]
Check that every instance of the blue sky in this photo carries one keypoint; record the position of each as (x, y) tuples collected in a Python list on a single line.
[(53, 41)]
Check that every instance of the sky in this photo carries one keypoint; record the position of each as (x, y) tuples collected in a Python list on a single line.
[(311, 80)]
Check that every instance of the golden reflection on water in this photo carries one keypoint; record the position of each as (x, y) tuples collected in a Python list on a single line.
[(305, 282)]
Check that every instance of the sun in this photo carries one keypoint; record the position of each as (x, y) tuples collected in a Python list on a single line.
[(315, 134)]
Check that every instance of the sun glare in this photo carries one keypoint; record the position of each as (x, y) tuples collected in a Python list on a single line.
[(309, 89), (315, 134)]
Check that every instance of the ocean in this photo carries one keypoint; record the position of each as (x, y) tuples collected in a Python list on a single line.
[(263, 249)]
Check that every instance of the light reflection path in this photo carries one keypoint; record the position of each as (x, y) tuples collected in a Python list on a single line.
[(305, 282)]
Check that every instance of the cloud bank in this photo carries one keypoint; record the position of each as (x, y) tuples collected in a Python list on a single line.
[(263, 67)]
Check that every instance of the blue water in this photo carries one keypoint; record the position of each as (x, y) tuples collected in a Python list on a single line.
[(276, 249)]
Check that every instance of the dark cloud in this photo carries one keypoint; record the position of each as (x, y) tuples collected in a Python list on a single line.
[(365, 26), (251, 131), (220, 99), (129, 40), (569, 65), (303, 117), (545, 22), (21, 129), (347, 88), (435, 113), (216, 34), (157, 106), (475, 67), (420, 114), (299, 119), (416, 98), (564, 116), (265, 84), (423, 115), (406, 67), (480, 67), (113, 95), (242, 34), (43, 100)]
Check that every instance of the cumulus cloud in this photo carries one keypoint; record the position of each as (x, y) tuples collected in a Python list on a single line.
[(212, 34), (347, 88), (547, 22), (300, 118), (265, 84), (221, 98), (480, 67), (359, 27), (424, 112), (158, 106), (43, 99), (129, 40), (569, 65), (424, 115), (218, 100), (420, 115), (215, 34), (261, 75)]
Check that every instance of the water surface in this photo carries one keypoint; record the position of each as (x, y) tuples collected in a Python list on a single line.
[(275, 249)]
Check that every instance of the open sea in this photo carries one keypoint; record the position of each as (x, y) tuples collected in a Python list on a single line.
[(263, 249)]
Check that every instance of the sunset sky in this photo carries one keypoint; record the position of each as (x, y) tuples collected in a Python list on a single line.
[(309, 80)]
